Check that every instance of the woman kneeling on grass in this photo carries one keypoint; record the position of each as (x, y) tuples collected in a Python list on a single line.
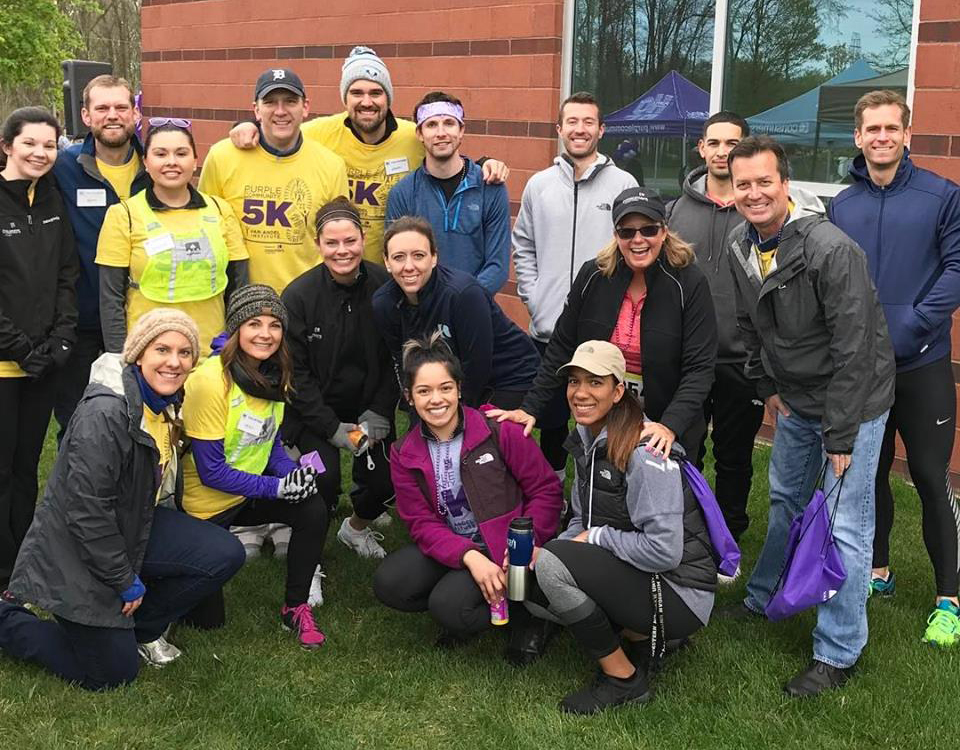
[(460, 479), (635, 522), (237, 471), (108, 554)]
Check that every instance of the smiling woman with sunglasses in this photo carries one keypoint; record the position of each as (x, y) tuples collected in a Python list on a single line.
[(169, 245), (644, 294)]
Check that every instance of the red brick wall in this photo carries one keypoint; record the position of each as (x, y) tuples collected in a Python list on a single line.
[(936, 119), (202, 57)]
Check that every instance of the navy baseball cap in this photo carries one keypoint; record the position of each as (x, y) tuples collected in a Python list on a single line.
[(278, 78), (644, 201)]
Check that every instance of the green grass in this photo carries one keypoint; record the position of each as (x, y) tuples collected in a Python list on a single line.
[(379, 682)]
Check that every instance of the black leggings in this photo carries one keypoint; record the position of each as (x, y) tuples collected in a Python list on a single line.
[(621, 593), (923, 412), (308, 521)]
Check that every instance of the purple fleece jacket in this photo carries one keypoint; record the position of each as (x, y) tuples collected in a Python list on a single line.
[(525, 486)]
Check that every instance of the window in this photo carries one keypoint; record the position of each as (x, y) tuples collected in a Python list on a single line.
[(793, 68), (649, 63)]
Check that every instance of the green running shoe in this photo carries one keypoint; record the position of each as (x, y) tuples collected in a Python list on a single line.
[(943, 626), (884, 587)]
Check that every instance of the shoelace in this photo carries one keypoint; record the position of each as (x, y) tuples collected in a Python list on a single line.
[(303, 618), (371, 537), (943, 621)]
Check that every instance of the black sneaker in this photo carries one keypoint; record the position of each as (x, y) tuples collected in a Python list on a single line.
[(529, 641), (638, 652), (738, 611), (606, 692), (816, 678)]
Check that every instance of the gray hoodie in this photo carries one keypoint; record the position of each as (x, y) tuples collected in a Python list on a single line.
[(706, 225), (561, 225)]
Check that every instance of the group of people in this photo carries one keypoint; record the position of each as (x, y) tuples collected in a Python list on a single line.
[(209, 352)]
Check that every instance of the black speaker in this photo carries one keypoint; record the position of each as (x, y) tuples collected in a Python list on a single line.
[(76, 75)]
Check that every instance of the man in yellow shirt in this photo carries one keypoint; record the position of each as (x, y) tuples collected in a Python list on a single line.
[(276, 188), (379, 149)]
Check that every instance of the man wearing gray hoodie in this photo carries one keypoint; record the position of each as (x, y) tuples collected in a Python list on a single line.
[(704, 215), (563, 222)]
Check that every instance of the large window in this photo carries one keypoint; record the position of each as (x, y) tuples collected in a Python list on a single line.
[(649, 62), (793, 68)]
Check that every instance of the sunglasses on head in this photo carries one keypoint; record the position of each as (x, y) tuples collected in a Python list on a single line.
[(628, 233), (177, 122)]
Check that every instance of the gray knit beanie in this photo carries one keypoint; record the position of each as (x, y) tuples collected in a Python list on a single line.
[(363, 64), (253, 300), (154, 323)]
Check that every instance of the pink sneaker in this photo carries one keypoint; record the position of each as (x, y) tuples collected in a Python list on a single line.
[(300, 620)]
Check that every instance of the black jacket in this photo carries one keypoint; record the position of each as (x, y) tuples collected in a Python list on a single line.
[(324, 315), (494, 352), (90, 531), (678, 340), (814, 330), (38, 268)]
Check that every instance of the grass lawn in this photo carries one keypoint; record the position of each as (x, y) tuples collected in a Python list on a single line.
[(380, 683)]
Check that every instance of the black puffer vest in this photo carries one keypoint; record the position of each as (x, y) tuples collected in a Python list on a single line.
[(607, 506)]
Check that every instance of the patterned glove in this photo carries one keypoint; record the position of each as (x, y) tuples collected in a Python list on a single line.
[(298, 485)]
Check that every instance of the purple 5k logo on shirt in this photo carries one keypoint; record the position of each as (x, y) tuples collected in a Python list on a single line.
[(458, 514)]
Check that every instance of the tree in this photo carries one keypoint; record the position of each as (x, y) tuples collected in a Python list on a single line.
[(34, 38), (894, 19)]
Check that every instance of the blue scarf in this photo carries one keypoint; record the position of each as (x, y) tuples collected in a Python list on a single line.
[(151, 399)]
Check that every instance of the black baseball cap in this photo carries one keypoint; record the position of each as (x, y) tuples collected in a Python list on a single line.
[(278, 78), (639, 200)]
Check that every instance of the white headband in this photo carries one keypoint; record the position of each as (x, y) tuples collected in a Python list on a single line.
[(433, 109)]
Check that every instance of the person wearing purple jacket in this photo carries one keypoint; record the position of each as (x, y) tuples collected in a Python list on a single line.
[(237, 472), (460, 479)]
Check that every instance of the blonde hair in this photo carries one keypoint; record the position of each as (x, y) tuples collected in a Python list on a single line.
[(679, 253)]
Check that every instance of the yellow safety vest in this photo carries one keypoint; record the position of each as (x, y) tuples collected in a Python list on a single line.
[(250, 433), (185, 267)]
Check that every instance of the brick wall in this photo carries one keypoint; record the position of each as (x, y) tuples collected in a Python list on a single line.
[(202, 57), (936, 121)]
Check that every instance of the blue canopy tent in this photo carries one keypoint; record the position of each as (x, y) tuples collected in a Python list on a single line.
[(797, 121), (673, 108)]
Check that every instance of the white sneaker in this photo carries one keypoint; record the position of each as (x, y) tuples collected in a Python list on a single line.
[(382, 521), (723, 580), (158, 653), (315, 598), (365, 542)]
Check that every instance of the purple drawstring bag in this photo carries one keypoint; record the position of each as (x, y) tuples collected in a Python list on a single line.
[(726, 553), (813, 570)]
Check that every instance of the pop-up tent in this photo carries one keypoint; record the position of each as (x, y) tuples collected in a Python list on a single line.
[(673, 108), (838, 100), (798, 122)]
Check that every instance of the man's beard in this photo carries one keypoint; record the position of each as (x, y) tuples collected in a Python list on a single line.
[(373, 126), (119, 138)]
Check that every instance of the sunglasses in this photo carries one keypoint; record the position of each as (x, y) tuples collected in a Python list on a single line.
[(177, 122), (648, 231)]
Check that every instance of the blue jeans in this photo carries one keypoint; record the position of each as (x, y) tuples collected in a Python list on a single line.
[(795, 464), (186, 560)]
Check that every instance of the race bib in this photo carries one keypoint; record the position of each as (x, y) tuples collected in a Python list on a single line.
[(634, 384)]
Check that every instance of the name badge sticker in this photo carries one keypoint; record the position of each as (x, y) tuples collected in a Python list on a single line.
[(156, 245), (396, 166), (250, 424), (91, 197)]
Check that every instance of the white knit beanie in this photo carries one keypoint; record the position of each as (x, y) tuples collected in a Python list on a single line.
[(363, 64)]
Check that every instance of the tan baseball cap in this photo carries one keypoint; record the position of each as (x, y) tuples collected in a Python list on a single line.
[(600, 358)]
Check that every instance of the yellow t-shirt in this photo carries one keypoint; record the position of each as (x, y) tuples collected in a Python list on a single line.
[(159, 430), (765, 259), (121, 177), (371, 170), (276, 199), (120, 248), (204, 416)]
